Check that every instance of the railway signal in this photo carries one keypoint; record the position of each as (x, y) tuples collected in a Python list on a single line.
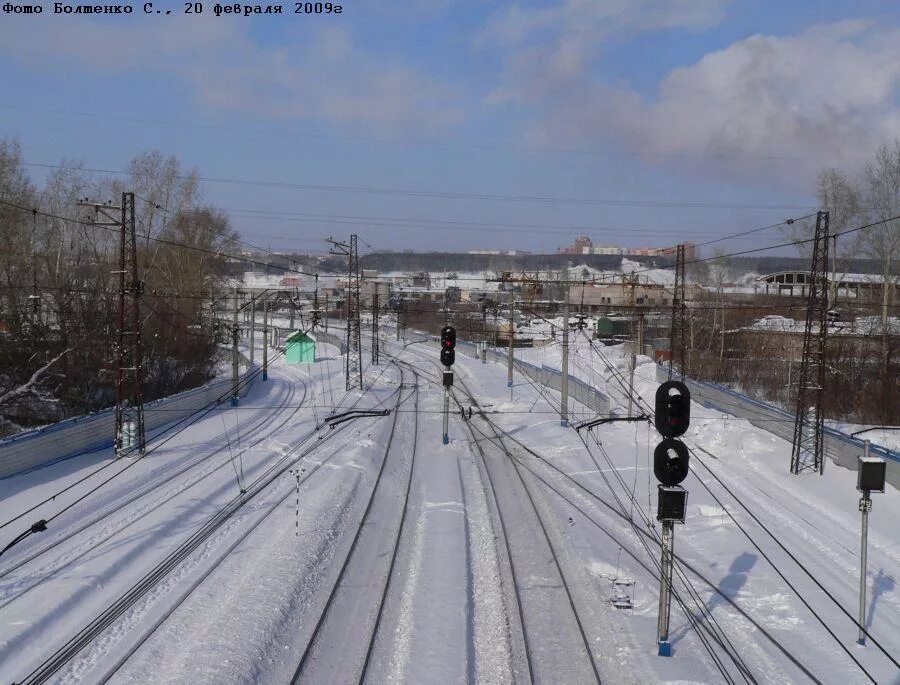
[(671, 465), (448, 345), (670, 462), (871, 473), (448, 356), (673, 409)]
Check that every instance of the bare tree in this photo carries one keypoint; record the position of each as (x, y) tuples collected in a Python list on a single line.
[(58, 299), (882, 179), (841, 198)]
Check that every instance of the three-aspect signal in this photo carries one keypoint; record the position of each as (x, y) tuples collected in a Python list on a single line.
[(448, 345)]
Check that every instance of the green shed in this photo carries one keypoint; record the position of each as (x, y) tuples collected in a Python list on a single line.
[(299, 348)]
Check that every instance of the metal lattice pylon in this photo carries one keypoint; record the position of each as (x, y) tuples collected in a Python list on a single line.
[(353, 364), (808, 447), (130, 434), (677, 329)]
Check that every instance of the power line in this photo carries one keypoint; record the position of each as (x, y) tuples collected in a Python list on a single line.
[(650, 412), (404, 192), (414, 223), (162, 241), (755, 230), (396, 141)]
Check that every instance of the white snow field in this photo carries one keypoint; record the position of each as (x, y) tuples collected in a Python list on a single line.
[(259, 544)]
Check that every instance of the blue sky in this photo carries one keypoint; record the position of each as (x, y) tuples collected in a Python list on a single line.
[(591, 102)]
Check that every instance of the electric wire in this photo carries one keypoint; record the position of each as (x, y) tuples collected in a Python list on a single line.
[(799, 564), (192, 418)]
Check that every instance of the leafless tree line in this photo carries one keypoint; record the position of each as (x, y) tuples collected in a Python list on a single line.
[(59, 297)]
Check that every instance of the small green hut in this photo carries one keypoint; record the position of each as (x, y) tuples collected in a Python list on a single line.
[(299, 348)]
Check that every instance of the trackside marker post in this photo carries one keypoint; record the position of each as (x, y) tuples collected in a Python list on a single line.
[(870, 478)]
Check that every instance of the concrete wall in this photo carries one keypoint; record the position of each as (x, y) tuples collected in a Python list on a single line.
[(841, 448), (83, 434)]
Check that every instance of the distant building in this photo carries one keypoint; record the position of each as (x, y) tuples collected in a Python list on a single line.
[(505, 253), (582, 245), (856, 286), (690, 251), (605, 249)]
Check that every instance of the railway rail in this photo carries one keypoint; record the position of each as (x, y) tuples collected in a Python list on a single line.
[(129, 599), (344, 624)]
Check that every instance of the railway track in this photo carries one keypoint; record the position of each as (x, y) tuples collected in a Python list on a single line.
[(538, 583), (89, 633), (576, 493), (119, 527), (341, 645)]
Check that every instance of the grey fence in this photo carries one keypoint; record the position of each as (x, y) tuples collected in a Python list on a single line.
[(841, 448), (84, 434), (338, 341), (579, 391)]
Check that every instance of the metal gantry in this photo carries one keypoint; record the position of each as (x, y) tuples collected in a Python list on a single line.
[(353, 363), (808, 450)]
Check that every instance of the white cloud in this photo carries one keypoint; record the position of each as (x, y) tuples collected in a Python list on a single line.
[(549, 48), (824, 96), (223, 67), (765, 107)]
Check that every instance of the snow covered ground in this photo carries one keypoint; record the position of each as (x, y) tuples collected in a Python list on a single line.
[(491, 559)]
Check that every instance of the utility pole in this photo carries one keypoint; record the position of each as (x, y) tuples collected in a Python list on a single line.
[(564, 406), (265, 364), (353, 365), (512, 336), (130, 435), (667, 544), (326, 308), (631, 383), (252, 307), (808, 449), (676, 331), (292, 310), (375, 325), (317, 313), (235, 333), (34, 297), (640, 336)]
